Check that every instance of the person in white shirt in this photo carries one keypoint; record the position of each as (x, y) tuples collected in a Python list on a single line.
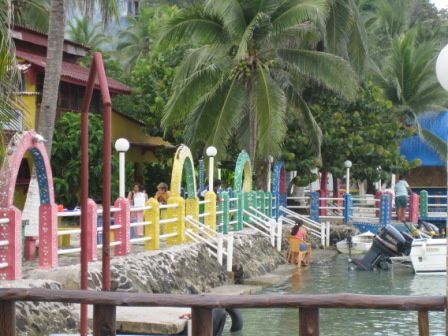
[(402, 190)]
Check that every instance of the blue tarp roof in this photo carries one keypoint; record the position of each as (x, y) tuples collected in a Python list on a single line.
[(414, 148)]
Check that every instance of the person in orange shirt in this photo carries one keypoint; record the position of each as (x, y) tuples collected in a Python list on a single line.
[(162, 193)]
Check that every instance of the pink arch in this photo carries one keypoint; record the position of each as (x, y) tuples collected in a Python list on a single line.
[(15, 152), (18, 146)]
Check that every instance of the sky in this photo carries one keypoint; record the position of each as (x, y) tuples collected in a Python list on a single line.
[(440, 3)]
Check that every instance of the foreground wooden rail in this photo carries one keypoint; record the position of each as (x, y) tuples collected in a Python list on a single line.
[(105, 306)]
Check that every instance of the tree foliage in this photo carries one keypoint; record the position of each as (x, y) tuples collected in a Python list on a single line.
[(66, 160), (249, 60), (363, 131), (82, 31)]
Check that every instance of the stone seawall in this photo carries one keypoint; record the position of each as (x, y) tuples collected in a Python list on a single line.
[(188, 268)]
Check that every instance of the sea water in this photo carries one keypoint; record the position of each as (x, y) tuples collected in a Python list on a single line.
[(337, 276)]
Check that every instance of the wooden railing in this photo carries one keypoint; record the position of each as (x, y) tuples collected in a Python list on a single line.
[(104, 310)]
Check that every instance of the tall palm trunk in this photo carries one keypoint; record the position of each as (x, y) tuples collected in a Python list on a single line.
[(48, 106), (55, 49)]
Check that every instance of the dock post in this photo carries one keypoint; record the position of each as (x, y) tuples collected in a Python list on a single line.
[(348, 208), (8, 318), (219, 247), (308, 322), (423, 323), (229, 261), (314, 206), (202, 321), (210, 208), (423, 204), (179, 225), (153, 230), (279, 233), (385, 209), (92, 219), (224, 196), (123, 218), (414, 204)]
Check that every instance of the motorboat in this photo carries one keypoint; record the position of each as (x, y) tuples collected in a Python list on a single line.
[(360, 244), (387, 243), (428, 256)]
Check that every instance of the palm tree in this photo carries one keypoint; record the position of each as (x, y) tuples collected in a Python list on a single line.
[(138, 38), (32, 13), (80, 30), (248, 63), (8, 69), (47, 115), (408, 80)]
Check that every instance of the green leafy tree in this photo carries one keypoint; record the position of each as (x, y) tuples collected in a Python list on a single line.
[(364, 131), (248, 61), (299, 156), (66, 160), (151, 80)]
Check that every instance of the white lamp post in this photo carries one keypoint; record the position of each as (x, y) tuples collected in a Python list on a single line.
[(121, 146), (211, 153), (348, 165), (270, 161), (442, 76)]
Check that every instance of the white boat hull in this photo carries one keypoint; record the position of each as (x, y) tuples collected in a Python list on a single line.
[(361, 244), (357, 248), (428, 256)]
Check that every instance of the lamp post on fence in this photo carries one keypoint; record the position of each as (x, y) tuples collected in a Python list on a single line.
[(348, 165), (122, 146), (442, 76), (211, 153)]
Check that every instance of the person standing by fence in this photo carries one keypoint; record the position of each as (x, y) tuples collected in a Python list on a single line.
[(402, 190)]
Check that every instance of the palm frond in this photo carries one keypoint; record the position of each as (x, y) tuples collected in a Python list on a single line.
[(436, 143), (191, 94), (248, 34), (329, 70), (269, 102), (194, 26), (195, 59), (215, 119), (300, 12), (308, 123), (231, 13)]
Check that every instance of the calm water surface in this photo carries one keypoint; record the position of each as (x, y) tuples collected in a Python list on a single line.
[(335, 277)]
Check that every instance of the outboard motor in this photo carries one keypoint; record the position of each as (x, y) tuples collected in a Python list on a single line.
[(388, 242)]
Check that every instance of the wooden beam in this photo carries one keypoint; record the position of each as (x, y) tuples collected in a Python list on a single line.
[(8, 318), (387, 302), (104, 317), (202, 321), (308, 322), (423, 323)]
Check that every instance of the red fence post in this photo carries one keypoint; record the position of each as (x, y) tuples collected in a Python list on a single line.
[(123, 218), (414, 206), (92, 219), (11, 254), (48, 236), (377, 203), (323, 202)]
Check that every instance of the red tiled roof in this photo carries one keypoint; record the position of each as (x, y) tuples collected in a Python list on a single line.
[(39, 38), (72, 72)]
